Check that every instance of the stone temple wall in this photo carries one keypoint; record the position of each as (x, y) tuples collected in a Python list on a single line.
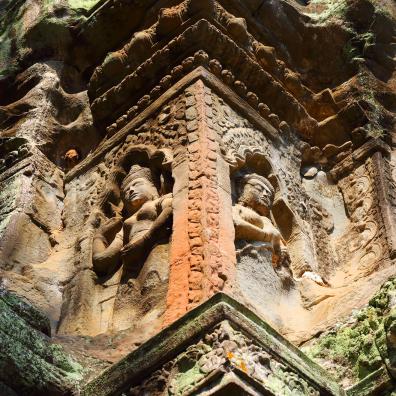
[(197, 197)]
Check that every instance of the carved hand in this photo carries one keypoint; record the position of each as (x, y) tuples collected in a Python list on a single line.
[(134, 247), (133, 252), (160, 227), (106, 258), (111, 227)]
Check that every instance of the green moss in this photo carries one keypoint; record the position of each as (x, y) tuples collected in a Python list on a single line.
[(83, 4), (355, 49), (189, 368), (24, 311), (278, 387), (63, 361), (351, 347), (381, 8), (367, 94), (326, 10), (187, 379), (29, 362), (356, 350), (25, 36)]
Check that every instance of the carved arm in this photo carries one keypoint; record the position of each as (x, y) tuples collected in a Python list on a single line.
[(245, 230), (248, 231), (106, 256)]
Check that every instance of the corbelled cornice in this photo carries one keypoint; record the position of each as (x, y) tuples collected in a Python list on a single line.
[(239, 68)]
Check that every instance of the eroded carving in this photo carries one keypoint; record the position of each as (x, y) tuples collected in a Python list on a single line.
[(222, 350), (222, 88), (71, 158)]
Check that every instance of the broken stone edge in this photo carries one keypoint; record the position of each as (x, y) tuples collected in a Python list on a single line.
[(175, 338), (379, 382)]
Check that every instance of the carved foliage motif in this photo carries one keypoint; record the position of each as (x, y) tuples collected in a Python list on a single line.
[(365, 239), (222, 350), (206, 268), (386, 193)]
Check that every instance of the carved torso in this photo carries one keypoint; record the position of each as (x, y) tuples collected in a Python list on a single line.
[(252, 217), (136, 225)]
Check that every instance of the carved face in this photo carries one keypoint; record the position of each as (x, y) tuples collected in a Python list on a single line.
[(71, 158), (257, 195), (137, 192)]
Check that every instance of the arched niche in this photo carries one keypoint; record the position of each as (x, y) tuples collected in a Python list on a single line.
[(287, 221), (159, 161)]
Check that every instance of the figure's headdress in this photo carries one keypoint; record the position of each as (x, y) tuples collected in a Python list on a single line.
[(263, 179), (244, 179), (135, 172)]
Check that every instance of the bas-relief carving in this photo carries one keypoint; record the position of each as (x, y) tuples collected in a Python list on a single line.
[(126, 240), (133, 248), (244, 144), (290, 223), (363, 242), (331, 239), (392, 164), (263, 261), (327, 217), (105, 246), (203, 255), (233, 43), (121, 211), (221, 352), (251, 212)]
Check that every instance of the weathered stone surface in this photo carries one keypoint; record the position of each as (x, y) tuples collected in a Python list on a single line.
[(30, 363), (229, 341), (156, 153), (362, 349)]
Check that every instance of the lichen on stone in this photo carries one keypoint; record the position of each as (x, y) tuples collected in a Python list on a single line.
[(29, 361), (361, 346)]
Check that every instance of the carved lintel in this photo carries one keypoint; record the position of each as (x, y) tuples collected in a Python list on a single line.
[(358, 156), (250, 82), (219, 340), (132, 126)]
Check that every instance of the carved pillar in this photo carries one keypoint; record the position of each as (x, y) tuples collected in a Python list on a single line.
[(202, 260), (386, 197)]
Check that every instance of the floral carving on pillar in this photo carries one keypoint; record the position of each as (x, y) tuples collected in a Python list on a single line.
[(202, 256)]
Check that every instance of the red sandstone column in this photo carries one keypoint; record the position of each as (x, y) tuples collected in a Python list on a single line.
[(202, 258)]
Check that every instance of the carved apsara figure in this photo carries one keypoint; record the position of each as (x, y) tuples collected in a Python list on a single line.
[(147, 218), (251, 215)]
